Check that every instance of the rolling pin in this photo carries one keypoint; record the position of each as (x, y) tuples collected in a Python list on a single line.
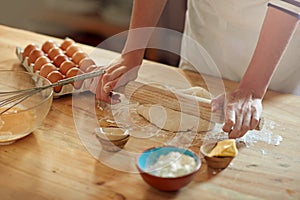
[(193, 105)]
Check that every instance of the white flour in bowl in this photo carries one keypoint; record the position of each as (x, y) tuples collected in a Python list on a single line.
[(173, 164)]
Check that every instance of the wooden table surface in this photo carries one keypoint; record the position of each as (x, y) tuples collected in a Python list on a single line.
[(56, 161)]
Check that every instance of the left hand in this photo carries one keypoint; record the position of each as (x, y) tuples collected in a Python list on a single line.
[(242, 111), (117, 74)]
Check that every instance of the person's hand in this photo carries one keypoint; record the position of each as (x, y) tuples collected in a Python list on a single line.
[(117, 74), (242, 111)]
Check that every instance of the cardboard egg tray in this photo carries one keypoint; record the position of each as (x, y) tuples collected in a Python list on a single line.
[(66, 89)]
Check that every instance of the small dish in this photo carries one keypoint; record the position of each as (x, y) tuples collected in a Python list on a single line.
[(112, 139), (216, 162), (150, 157)]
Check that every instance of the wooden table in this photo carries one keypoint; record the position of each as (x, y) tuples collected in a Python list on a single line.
[(55, 163)]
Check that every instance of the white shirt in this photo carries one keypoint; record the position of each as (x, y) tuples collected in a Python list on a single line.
[(227, 31)]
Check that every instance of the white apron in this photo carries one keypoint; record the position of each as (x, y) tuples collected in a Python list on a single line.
[(227, 31)]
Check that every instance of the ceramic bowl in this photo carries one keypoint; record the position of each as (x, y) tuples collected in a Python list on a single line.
[(214, 162), (112, 139), (26, 116), (150, 156)]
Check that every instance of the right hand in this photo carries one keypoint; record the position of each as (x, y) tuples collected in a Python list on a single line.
[(242, 111), (117, 74)]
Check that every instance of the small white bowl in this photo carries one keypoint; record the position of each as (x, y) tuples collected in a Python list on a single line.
[(112, 139)]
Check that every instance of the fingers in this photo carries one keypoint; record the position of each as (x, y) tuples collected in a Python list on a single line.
[(103, 87), (105, 93), (256, 114), (246, 121), (242, 125), (242, 114), (109, 82), (114, 78), (91, 83), (122, 70), (255, 120), (113, 73), (229, 120), (218, 103)]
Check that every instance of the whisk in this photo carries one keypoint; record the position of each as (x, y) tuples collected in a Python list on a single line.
[(16, 97)]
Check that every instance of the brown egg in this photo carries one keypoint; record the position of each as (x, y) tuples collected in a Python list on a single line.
[(72, 49), (66, 43), (74, 72), (54, 77), (78, 56), (59, 59), (54, 51), (46, 69), (40, 62), (85, 63), (49, 44), (65, 66), (34, 55), (28, 49)]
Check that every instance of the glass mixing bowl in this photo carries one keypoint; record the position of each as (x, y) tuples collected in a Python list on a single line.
[(25, 117)]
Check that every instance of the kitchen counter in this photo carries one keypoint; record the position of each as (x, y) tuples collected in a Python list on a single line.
[(60, 161)]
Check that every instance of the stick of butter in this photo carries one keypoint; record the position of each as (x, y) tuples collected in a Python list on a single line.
[(224, 148)]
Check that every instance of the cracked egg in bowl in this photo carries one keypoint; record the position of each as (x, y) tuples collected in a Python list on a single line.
[(28, 114)]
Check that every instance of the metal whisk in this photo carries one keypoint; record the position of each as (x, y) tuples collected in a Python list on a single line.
[(16, 97)]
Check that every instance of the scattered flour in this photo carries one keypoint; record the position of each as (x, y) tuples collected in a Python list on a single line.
[(251, 137)]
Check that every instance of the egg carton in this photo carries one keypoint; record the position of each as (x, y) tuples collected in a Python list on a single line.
[(66, 89)]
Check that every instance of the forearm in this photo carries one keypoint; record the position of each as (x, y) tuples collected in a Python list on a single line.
[(276, 31), (145, 16)]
